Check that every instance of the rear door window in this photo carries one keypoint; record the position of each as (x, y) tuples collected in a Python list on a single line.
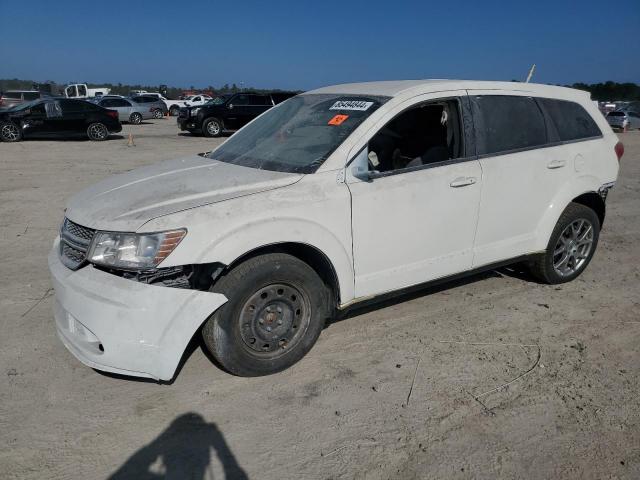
[(31, 95), (505, 123), (120, 102), (571, 120), (260, 100), (53, 109)]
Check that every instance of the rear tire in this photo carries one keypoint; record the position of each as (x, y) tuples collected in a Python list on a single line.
[(10, 132), (157, 114), (97, 132), (135, 118), (571, 246), (212, 127), (276, 309)]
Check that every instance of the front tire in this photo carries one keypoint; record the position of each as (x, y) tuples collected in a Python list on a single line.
[(174, 110), (10, 132), (276, 309), (571, 246), (97, 132), (135, 118), (212, 127)]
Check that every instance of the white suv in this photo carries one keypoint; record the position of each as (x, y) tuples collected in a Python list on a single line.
[(333, 197)]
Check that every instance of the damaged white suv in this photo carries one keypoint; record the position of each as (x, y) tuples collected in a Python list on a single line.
[(333, 197)]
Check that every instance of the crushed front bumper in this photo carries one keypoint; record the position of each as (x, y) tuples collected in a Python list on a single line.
[(117, 325)]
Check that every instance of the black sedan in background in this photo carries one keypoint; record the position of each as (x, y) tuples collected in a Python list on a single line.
[(57, 117)]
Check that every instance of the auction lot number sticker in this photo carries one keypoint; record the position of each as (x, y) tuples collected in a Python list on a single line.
[(359, 105)]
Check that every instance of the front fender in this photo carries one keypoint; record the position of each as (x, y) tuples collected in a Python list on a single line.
[(248, 237)]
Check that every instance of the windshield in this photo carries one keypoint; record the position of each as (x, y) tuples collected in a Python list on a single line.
[(298, 135), (219, 100)]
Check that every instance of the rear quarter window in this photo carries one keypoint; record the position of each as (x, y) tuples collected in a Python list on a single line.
[(571, 120), (13, 95), (504, 123)]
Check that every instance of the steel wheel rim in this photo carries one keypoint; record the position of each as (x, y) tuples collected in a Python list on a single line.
[(98, 131), (573, 247), (274, 319), (10, 132), (213, 128)]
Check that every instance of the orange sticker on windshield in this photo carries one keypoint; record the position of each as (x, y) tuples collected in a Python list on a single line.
[(338, 119)]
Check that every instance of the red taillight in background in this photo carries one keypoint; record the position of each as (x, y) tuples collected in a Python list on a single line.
[(112, 113), (619, 149)]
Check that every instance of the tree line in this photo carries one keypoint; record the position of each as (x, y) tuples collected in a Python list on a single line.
[(599, 91)]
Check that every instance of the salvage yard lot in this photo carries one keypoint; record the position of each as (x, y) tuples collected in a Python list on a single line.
[(408, 389)]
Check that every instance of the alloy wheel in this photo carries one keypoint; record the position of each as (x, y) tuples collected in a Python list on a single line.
[(10, 132), (573, 247), (98, 131), (213, 128)]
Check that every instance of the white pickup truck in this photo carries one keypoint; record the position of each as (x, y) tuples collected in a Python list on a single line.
[(80, 90)]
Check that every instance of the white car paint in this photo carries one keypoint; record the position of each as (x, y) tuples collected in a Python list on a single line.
[(167, 102), (196, 100), (80, 90), (380, 236)]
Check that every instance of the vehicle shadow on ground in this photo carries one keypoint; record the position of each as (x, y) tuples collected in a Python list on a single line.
[(182, 450), (79, 138)]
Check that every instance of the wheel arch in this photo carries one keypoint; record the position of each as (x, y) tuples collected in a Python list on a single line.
[(595, 202), (582, 190), (309, 254)]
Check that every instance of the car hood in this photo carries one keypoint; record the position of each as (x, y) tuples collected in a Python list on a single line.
[(127, 201)]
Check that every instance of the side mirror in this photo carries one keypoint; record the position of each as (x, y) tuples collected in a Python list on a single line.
[(360, 166)]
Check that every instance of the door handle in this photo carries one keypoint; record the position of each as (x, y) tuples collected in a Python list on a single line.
[(556, 164), (462, 182)]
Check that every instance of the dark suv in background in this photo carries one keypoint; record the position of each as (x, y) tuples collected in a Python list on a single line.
[(228, 112)]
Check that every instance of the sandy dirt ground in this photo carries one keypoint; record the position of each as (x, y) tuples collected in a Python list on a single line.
[(397, 391)]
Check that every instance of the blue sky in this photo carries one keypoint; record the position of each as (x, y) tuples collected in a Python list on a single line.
[(301, 45)]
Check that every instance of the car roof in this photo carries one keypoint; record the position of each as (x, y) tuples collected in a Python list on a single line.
[(396, 87)]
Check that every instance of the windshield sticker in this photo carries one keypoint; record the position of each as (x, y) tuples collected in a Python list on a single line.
[(338, 120), (359, 105)]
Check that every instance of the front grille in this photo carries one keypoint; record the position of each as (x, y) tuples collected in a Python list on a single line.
[(74, 243)]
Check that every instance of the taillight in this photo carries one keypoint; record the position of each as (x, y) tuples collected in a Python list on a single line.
[(619, 149), (112, 113)]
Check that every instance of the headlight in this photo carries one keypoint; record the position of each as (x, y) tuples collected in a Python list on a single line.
[(134, 251), (194, 112)]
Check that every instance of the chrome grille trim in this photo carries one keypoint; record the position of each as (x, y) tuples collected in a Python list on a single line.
[(74, 243)]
